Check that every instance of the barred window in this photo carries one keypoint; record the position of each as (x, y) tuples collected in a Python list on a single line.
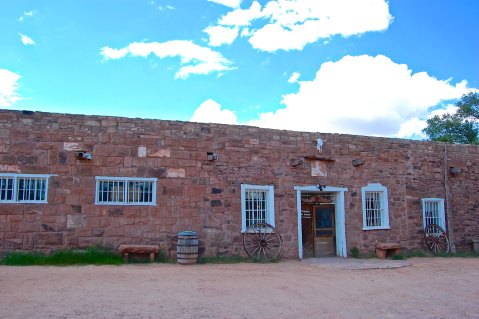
[(433, 212), (125, 191), (375, 207), (257, 205), (23, 188)]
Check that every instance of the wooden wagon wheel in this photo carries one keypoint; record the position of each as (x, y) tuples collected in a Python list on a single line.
[(262, 241), (436, 239)]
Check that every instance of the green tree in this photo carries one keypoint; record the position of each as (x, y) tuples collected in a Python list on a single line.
[(461, 127)]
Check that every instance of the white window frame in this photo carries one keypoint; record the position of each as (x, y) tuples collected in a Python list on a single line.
[(383, 196), (16, 178), (269, 202), (125, 192), (441, 211)]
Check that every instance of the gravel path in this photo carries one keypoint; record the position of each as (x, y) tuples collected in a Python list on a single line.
[(428, 288)]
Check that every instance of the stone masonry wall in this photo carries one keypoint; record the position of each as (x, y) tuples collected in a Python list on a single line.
[(194, 193)]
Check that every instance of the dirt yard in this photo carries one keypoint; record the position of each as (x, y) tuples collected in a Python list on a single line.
[(429, 288)]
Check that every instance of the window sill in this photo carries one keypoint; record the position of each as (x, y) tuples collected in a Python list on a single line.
[(24, 202), (124, 204), (377, 228)]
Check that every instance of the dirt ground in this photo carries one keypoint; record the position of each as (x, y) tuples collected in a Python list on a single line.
[(429, 288)]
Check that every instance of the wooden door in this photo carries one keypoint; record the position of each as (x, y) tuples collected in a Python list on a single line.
[(307, 230), (324, 231)]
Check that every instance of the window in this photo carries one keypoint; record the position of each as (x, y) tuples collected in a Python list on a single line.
[(433, 212), (125, 191), (375, 207), (257, 205), (23, 188)]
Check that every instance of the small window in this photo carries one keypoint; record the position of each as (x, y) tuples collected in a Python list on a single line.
[(375, 207), (125, 191), (433, 212), (23, 188), (257, 205)]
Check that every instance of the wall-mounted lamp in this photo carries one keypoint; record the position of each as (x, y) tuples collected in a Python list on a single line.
[(295, 162), (84, 156), (211, 156), (321, 187), (455, 170), (358, 162)]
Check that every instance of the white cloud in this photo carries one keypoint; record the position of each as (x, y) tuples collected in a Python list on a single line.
[(242, 17), (210, 112), (413, 127), (167, 7), (26, 40), (362, 95), (8, 87), (220, 35), (294, 77), (194, 59), (293, 24), (27, 14), (228, 3)]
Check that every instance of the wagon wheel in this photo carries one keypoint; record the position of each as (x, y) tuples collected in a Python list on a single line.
[(436, 239), (262, 241)]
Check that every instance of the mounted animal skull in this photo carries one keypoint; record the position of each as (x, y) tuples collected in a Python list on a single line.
[(319, 144)]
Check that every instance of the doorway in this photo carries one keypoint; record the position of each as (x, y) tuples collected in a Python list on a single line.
[(318, 225), (321, 221)]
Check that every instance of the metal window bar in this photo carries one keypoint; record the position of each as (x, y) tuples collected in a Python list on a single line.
[(431, 213), (6, 189), (31, 189), (374, 211), (256, 206), (111, 191), (122, 191), (140, 192)]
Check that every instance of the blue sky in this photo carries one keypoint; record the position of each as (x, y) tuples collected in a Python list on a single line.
[(368, 67)]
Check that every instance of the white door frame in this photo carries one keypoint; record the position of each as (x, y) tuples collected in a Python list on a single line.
[(339, 215)]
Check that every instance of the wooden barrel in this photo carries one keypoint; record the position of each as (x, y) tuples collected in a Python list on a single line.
[(187, 248)]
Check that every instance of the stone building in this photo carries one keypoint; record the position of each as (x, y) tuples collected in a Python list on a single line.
[(72, 181)]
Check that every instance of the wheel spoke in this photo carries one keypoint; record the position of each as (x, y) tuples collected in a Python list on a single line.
[(436, 238), (262, 241)]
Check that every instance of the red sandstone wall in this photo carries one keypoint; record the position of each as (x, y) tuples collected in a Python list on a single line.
[(196, 194)]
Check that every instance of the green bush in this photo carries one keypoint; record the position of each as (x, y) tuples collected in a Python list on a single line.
[(163, 258), (354, 252), (90, 256)]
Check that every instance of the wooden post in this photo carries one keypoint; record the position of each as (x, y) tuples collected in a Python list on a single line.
[(449, 219)]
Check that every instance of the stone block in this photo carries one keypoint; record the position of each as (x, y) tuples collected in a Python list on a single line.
[(175, 172), (104, 150), (162, 152), (76, 221), (22, 148), (142, 151), (10, 168), (72, 146), (48, 240), (29, 227)]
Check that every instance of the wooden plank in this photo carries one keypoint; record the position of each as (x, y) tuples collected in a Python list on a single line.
[(139, 249)]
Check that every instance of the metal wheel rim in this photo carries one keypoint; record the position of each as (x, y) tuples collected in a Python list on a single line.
[(262, 241)]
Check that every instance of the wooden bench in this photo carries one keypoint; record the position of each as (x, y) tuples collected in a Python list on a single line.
[(139, 249), (383, 248)]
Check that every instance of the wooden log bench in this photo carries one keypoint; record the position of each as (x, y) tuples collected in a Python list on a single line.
[(139, 249), (382, 249)]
